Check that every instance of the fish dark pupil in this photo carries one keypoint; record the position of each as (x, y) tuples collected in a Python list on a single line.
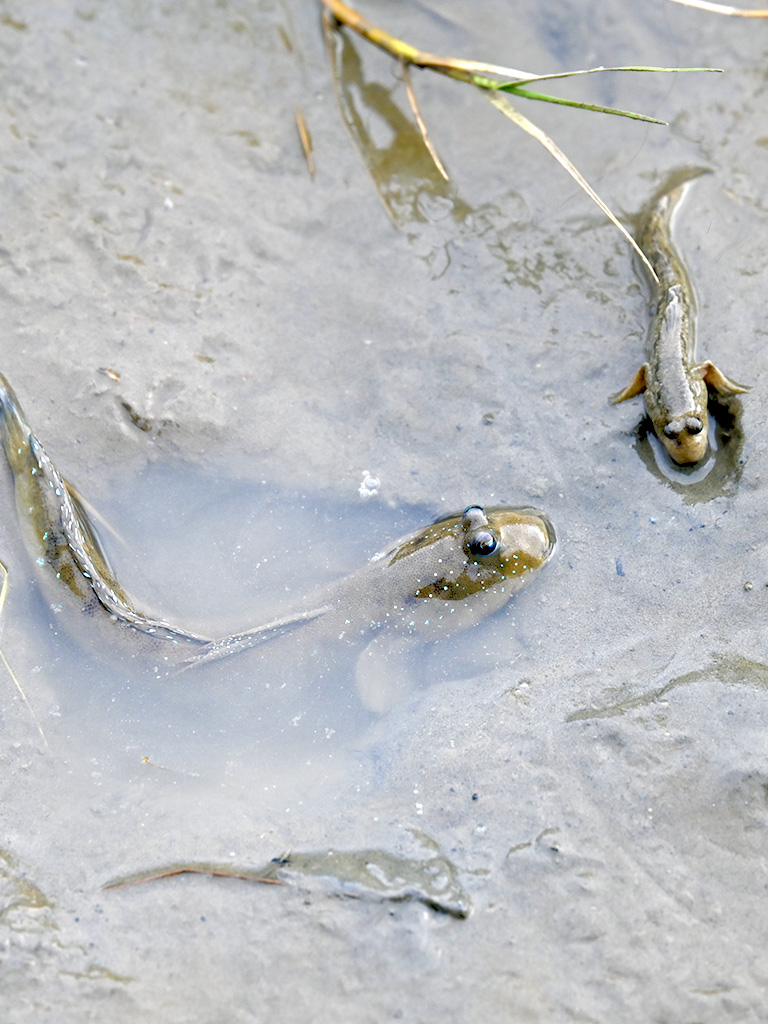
[(482, 544)]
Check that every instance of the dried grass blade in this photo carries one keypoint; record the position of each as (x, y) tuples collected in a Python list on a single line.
[(399, 48), (472, 67), (503, 104), (737, 12), (598, 70), (352, 19), (191, 869), (420, 121)]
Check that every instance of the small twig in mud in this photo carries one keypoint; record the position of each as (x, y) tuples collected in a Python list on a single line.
[(504, 80), (166, 768), (191, 869), (306, 140)]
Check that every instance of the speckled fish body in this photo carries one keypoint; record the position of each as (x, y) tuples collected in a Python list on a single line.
[(437, 580), (674, 385), (62, 542)]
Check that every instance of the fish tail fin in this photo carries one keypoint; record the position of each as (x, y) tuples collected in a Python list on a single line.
[(15, 429)]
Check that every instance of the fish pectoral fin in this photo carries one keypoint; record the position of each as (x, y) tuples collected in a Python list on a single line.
[(717, 380), (635, 387), (238, 642), (382, 673)]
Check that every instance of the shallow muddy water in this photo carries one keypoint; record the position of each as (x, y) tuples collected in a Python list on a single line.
[(564, 815)]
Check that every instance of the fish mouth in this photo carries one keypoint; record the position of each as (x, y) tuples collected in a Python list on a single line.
[(544, 521), (549, 529), (688, 451)]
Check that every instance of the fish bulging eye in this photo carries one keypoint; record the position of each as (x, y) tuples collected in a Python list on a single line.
[(482, 544), (694, 425)]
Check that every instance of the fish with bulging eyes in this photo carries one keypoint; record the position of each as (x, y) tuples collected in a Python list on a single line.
[(445, 577), (673, 384), (432, 583)]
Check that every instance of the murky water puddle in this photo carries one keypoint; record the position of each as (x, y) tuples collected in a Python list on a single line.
[(266, 739)]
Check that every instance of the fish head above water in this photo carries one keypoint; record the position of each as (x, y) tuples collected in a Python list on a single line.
[(685, 439), (683, 430), (468, 564)]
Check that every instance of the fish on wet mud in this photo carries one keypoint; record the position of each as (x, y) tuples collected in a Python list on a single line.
[(432, 583), (73, 568), (437, 580), (674, 385)]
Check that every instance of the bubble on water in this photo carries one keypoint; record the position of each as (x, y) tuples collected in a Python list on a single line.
[(369, 486)]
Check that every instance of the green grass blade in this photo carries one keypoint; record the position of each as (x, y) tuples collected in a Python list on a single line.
[(529, 94)]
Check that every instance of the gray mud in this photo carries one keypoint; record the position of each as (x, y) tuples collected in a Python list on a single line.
[(566, 818)]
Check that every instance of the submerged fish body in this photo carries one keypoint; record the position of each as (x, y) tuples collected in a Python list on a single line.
[(440, 579), (673, 384), (445, 577), (62, 542)]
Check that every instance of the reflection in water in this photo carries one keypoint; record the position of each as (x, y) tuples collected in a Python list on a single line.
[(404, 173), (420, 201), (718, 473)]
